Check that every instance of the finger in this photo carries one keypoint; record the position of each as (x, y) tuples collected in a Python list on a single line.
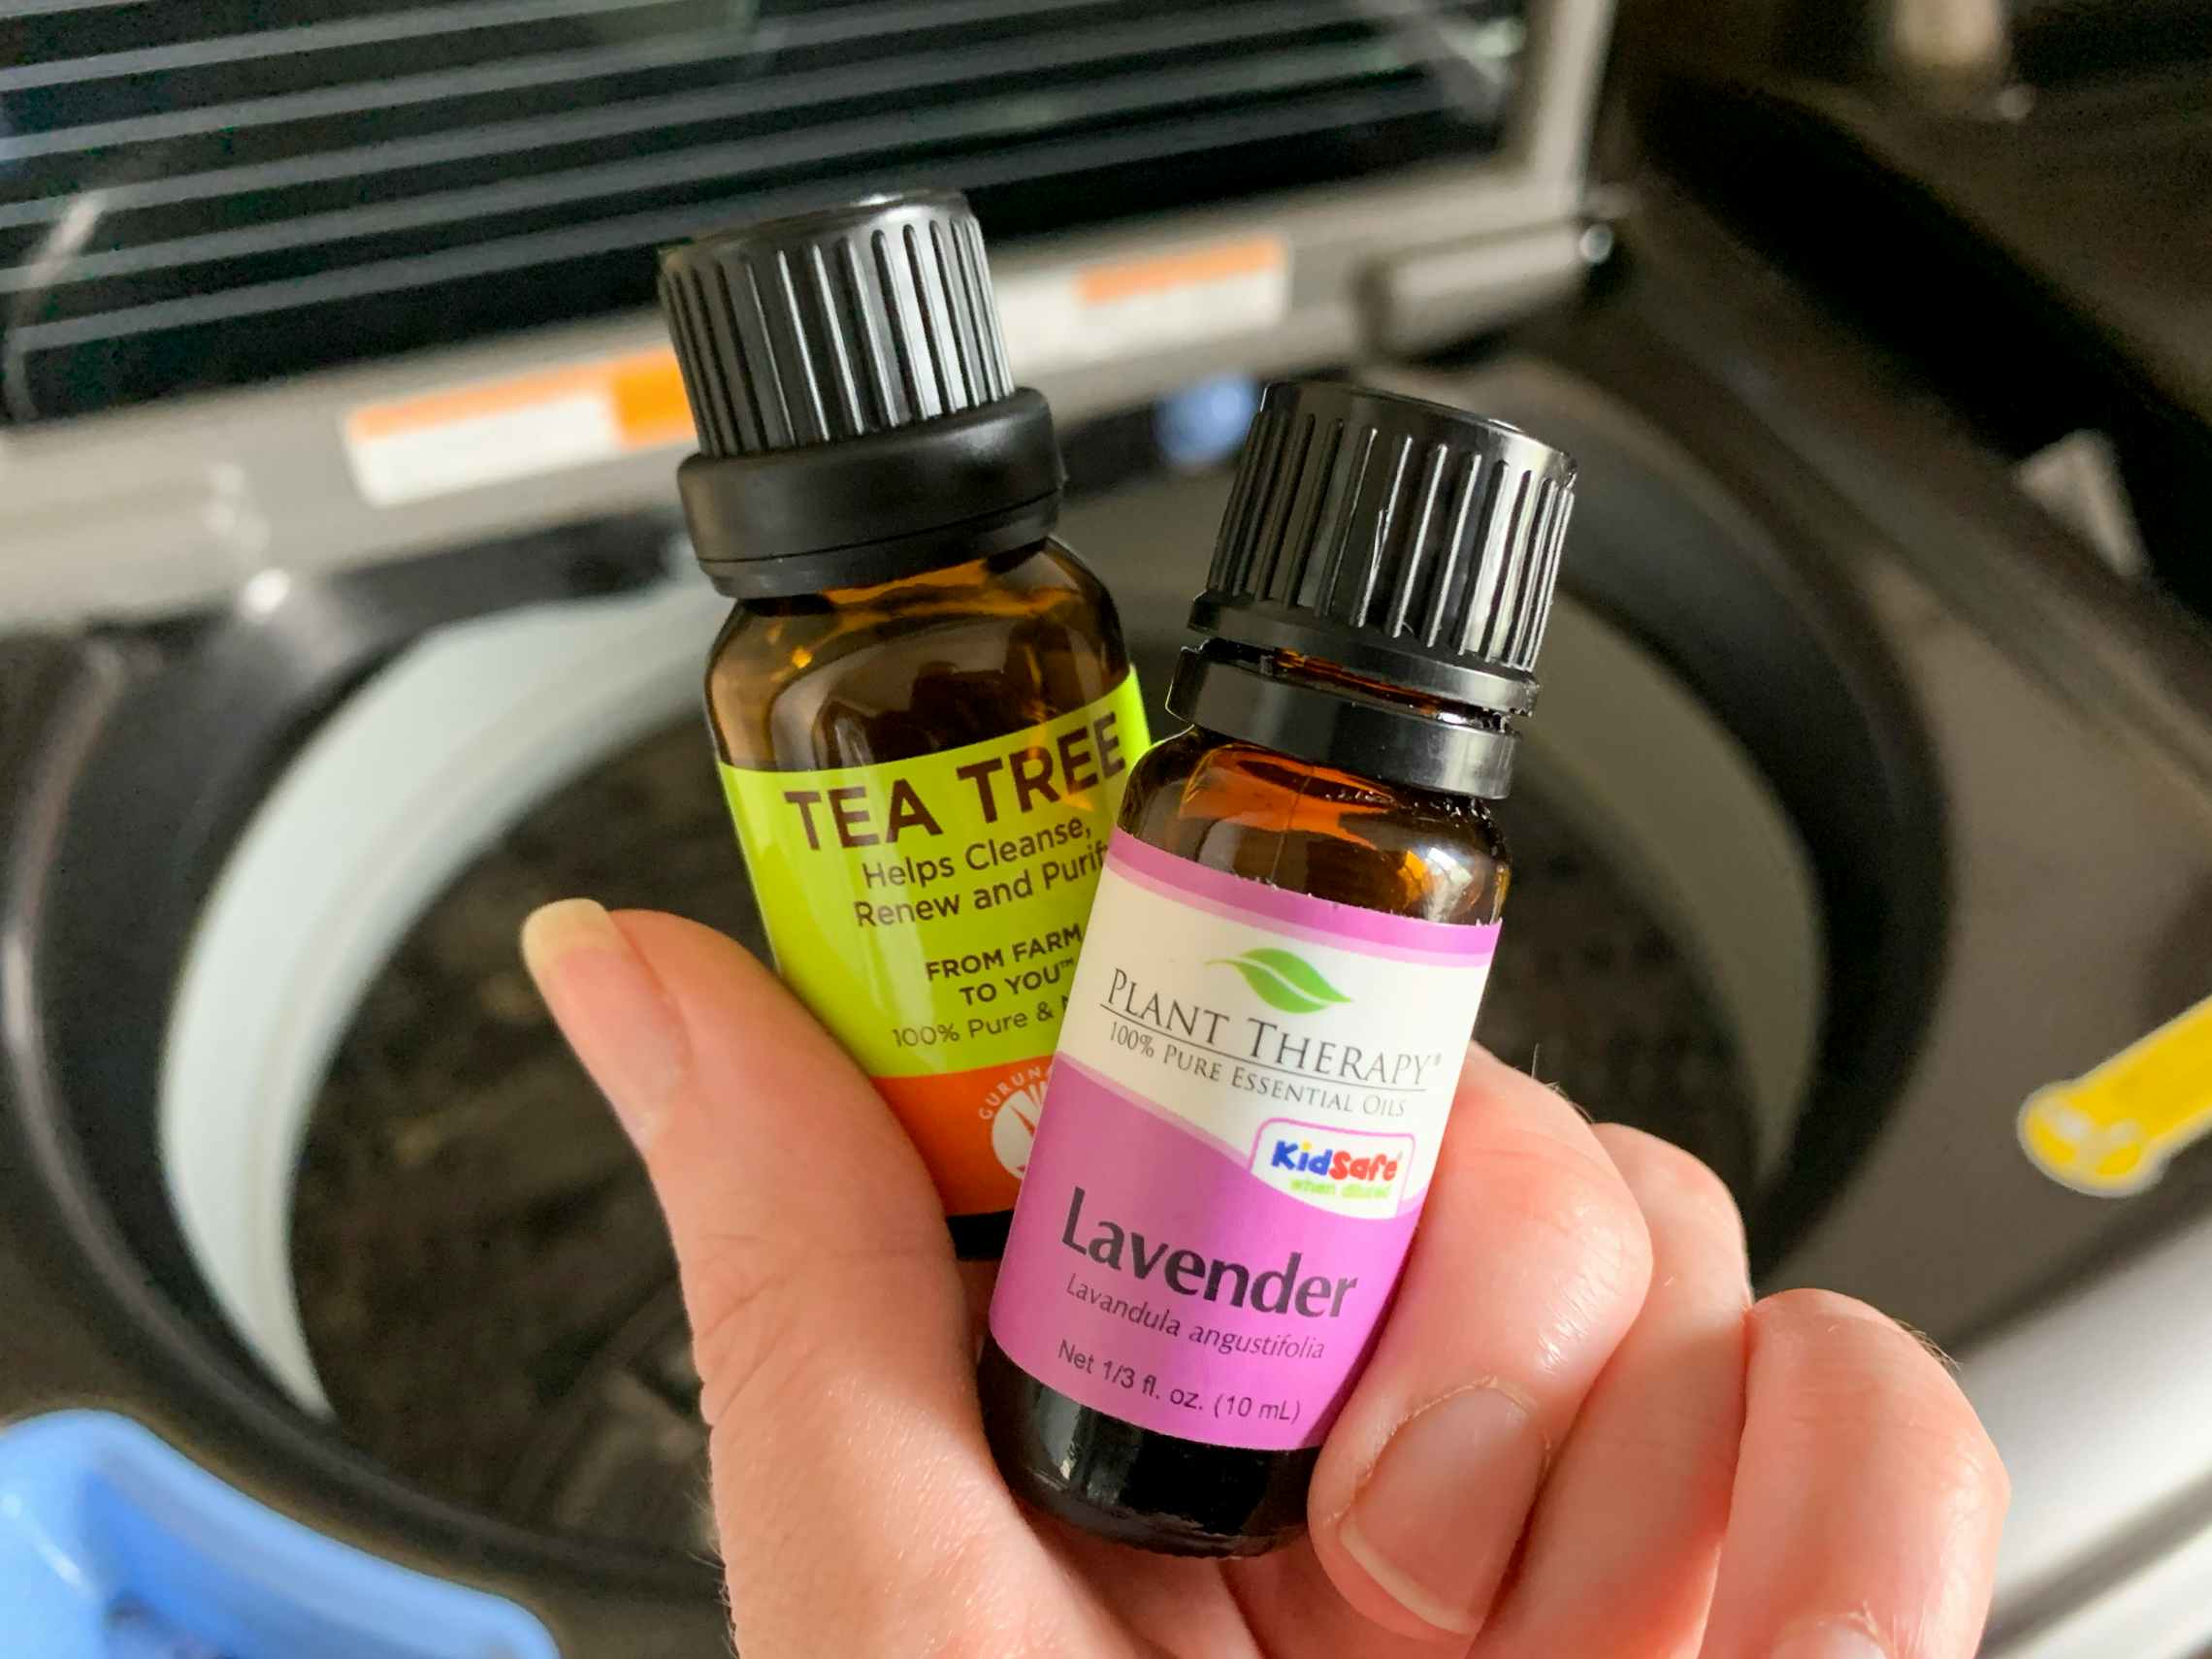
[(828, 1320), (1294, 1609), (1530, 1264), (1636, 1502), (1868, 1498)]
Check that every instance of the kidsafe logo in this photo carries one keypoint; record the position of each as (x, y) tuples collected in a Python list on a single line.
[(1284, 980), (1334, 1163), (1346, 1171)]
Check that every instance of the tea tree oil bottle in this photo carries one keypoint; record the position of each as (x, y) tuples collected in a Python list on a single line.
[(1283, 963), (922, 709)]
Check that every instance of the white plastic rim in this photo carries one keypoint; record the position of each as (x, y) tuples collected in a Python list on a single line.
[(1677, 805), (422, 768)]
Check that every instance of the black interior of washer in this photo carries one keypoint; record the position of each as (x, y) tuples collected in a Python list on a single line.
[(183, 733)]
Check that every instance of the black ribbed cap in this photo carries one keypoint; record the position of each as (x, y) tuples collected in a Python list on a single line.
[(1397, 538), (856, 419), (833, 325)]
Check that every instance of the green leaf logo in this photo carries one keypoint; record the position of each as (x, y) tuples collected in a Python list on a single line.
[(1283, 980)]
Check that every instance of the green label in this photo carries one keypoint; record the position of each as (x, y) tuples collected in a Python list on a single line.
[(929, 912)]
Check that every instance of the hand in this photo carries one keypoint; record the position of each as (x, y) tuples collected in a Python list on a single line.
[(1577, 1439)]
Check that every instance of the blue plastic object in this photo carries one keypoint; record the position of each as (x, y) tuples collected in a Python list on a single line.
[(114, 1546), (1203, 424)]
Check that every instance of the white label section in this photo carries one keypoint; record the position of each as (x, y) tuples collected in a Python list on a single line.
[(1326, 1070)]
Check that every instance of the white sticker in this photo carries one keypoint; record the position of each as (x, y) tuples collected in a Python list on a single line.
[(1304, 1052), (495, 431), (1091, 314)]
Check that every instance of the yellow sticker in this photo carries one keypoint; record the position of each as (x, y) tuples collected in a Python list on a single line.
[(2112, 1131)]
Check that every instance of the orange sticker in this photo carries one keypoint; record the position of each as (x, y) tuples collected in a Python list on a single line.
[(649, 403)]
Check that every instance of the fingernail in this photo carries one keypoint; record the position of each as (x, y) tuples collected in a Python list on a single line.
[(1842, 1640), (610, 1007), (1435, 1524)]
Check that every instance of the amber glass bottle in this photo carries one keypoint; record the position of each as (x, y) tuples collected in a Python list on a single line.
[(1283, 968), (921, 703)]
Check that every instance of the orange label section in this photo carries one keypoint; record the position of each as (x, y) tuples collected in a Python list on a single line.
[(973, 1129)]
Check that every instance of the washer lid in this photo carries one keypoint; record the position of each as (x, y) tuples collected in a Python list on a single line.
[(1311, 148)]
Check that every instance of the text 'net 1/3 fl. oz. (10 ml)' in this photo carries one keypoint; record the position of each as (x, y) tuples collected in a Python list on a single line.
[(924, 711), (1281, 973)]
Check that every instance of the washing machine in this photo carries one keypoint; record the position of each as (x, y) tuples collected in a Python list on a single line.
[(347, 618)]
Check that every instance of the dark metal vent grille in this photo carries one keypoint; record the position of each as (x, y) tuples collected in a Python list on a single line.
[(225, 192)]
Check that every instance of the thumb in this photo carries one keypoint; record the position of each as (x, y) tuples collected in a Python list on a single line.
[(828, 1317)]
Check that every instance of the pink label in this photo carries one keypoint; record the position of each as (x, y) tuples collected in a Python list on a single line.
[(1233, 1150)]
